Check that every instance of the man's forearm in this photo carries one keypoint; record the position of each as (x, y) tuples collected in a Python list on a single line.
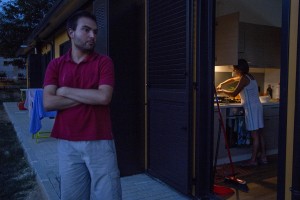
[(55, 102), (101, 96)]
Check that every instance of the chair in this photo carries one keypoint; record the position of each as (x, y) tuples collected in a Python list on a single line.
[(37, 114)]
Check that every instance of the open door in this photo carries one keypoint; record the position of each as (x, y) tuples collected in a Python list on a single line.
[(169, 92)]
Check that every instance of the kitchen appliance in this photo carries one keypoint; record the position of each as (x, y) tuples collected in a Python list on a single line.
[(276, 91), (227, 99)]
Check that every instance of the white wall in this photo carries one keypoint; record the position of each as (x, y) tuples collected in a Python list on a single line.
[(272, 77), (265, 12), (11, 71)]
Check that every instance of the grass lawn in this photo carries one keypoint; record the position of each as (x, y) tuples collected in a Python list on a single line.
[(17, 179)]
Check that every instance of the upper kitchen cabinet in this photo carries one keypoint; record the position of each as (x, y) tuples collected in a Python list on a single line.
[(226, 39), (258, 44)]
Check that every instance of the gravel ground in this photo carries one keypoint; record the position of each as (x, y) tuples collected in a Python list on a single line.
[(17, 179)]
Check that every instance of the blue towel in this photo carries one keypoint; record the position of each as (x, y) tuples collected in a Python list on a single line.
[(38, 112)]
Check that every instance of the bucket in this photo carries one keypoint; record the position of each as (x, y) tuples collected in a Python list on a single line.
[(21, 105)]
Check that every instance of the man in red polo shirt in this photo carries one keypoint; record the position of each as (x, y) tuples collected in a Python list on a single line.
[(79, 85)]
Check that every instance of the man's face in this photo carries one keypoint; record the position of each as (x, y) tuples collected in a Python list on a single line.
[(84, 37)]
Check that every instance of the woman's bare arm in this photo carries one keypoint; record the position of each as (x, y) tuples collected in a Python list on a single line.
[(242, 83), (228, 81)]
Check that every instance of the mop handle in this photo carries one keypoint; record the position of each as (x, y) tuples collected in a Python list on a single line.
[(224, 132)]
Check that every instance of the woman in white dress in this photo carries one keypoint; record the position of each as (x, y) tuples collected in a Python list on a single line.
[(247, 88)]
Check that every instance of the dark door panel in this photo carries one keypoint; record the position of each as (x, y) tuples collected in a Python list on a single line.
[(121, 33), (169, 139), (35, 70), (169, 92)]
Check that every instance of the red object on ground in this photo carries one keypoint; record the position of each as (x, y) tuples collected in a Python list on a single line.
[(21, 105), (223, 191)]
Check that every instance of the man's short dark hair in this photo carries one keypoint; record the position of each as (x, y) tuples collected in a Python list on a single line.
[(73, 19)]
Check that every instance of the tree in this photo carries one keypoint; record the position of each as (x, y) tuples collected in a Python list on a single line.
[(18, 18)]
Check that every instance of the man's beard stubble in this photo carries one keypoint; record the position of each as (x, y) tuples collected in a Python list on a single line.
[(85, 50), (83, 46)]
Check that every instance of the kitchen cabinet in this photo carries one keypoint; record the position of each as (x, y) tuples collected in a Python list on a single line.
[(271, 127), (226, 39), (244, 152), (237, 154), (217, 127), (258, 44)]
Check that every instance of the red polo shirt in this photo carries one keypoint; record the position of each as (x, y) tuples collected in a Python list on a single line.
[(82, 122)]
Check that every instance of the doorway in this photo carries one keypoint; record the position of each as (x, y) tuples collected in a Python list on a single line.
[(251, 30)]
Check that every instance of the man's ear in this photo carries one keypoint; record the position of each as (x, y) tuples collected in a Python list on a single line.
[(70, 33)]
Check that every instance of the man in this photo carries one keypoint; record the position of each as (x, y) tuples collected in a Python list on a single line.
[(79, 85)]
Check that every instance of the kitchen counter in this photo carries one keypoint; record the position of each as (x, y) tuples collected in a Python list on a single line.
[(233, 105)]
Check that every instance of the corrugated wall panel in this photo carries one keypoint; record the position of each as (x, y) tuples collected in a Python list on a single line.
[(169, 92), (167, 44)]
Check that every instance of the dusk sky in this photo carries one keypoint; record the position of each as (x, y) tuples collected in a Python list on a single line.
[(1, 2)]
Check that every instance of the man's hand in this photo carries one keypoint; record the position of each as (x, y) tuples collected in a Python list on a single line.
[(60, 91)]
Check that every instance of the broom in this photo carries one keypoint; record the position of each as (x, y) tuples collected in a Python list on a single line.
[(232, 181), (219, 190)]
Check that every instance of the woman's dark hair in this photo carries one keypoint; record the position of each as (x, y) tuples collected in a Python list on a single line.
[(72, 21), (242, 66)]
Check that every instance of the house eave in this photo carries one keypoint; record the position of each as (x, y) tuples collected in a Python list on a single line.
[(54, 19)]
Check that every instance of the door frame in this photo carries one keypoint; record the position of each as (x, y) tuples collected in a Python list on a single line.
[(283, 100), (205, 54), (204, 112)]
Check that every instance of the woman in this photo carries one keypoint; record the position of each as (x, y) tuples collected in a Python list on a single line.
[(248, 89)]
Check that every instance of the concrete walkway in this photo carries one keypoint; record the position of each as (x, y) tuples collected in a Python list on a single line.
[(42, 156)]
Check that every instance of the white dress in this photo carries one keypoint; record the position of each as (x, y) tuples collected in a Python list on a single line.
[(252, 106)]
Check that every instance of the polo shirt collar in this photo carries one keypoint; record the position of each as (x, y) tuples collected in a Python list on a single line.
[(89, 57)]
